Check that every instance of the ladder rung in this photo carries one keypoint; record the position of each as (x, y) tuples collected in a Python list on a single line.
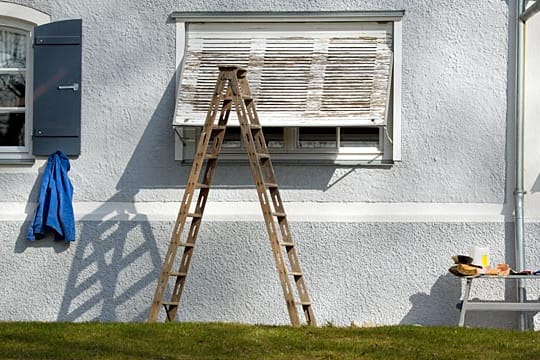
[(279, 214), (210, 156), (263, 156), (286, 243), (176, 273), (170, 303), (295, 273), (219, 127), (194, 215), (186, 244), (271, 185), (303, 303), (247, 98), (202, 186), (255, 126)]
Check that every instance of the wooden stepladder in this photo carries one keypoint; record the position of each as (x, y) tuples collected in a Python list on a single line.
[(232, 90)]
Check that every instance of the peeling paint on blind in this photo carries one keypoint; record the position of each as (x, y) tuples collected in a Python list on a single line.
[(300, 74)]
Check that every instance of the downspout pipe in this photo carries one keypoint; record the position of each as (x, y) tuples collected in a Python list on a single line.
[(519, 163)]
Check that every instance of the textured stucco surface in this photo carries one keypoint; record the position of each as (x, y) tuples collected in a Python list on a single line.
[(454, 150), (454, 107), (382, 273)]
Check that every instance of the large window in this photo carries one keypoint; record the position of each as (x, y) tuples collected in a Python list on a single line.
[(16, 26), (325, 87)]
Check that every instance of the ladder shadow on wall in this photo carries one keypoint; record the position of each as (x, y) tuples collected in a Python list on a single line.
[(117, 260)]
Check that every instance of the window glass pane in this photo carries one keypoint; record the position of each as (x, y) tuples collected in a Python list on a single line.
[(12, 90), (12, 129), (359, 136), (12, 49), (233, 138), (317, 137), (273, 137)]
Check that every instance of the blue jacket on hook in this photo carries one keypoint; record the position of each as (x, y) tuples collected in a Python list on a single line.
[(55, 207)]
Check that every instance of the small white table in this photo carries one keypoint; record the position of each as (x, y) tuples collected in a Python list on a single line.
[(485, 305)]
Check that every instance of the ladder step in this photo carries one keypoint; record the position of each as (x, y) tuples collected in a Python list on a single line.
[(170, 303), (194, 215), (210, 156), (263, 156), (303, 303), (279, 214), (202, 186), (286, 243), (271, 185), (219, 127), (295, 273), (178, 274), (186, 244), (255, 126)]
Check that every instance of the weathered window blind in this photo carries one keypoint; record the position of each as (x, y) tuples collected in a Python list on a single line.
[(301, 74)]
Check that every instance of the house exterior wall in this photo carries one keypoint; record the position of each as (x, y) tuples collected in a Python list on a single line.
[(375, 242)]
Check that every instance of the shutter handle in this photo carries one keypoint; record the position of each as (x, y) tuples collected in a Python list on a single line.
[(74, 87)]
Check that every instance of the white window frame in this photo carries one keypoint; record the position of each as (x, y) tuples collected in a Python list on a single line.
[(24, 19), (186, 138)]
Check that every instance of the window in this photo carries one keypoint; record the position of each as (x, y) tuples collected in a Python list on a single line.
[(16, 27), (325, 86)]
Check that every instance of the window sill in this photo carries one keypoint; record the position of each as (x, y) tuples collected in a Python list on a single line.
[(307, 162), (27, 161)]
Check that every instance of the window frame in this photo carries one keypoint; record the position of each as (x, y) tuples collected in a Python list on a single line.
[(390, 137), (22, 19)]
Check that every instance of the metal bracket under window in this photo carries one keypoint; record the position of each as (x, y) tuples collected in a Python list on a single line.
[(180, 137)]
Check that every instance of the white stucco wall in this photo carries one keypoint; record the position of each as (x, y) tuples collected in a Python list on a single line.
[(384, 265)]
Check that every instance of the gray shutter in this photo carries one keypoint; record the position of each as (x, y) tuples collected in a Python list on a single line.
[(57, 88)]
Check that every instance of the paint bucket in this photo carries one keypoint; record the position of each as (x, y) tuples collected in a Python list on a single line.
[(480, 255)]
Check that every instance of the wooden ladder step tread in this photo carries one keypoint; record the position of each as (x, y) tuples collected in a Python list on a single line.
[(263, 155), (255, 126), (202, 186), (219, 127), (210, 156), (177, 273), (270, 185), (279, 214), (295, 273), (186, 244), (303, 303), (170, 303), (286, 243), (194, 215)]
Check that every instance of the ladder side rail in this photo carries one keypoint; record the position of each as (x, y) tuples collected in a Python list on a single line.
[(249, 144), (187, 198), (269, 177), (217, 142)]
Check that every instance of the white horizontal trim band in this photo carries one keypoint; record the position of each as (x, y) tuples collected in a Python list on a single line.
[(297, 211), (286, 16)]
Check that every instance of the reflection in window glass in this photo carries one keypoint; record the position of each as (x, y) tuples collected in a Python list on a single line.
[(317, 137), (13, 51), (12, 129), (12, 90), (359, 136), (272, 135)]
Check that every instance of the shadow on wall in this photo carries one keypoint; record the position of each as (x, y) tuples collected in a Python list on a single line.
[(117, 261), (438, 307)]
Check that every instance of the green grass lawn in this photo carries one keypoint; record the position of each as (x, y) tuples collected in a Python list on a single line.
[(233, 341)]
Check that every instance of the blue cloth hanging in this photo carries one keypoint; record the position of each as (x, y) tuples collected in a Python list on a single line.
[(55, 205)]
